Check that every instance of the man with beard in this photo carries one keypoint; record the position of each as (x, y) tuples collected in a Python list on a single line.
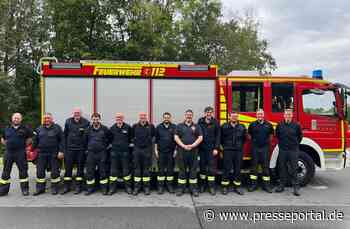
[(97, 140), (15, 138), (164, 150), (188, 136)]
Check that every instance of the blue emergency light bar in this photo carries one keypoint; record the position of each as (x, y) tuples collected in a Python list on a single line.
[(317, 74)]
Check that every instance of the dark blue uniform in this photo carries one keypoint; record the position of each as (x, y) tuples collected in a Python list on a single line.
[(232, 139), (188, 160), (49, 141), (166, 147), (142, 155), (211, 141), (289, 136), (15, 138), (74, 133), (260, 133), (97, 141), (120, 156)]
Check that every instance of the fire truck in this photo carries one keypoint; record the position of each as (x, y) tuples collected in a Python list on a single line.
[(108, 87)]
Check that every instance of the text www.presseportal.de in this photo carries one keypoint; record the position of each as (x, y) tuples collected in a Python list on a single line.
[(210, 215)]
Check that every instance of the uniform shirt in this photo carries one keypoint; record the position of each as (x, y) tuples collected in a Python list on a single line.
[(260, 132), (211, 133), (188, 134), (121, 137), (165, 137), (143, 135), (289, 135), (49, 138), (233, 137), (98, 139), (74, 133), (16, 137)]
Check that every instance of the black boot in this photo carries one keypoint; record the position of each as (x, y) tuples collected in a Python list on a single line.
[(280, 188), (224, 190), (212, 189), (194, 190), (137, 188), (180, 190), (89, 189), (78, 187), (104, 189), (253, 186), (170, 187), (25, 188), (128, 189), (160, 187), (296, 190), (147, 188), (267, 187), (4, 189), (54, 188), (40, 189), (239, 190), (112, 188), (66, 187)]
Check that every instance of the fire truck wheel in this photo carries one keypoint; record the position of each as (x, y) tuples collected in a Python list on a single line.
[(306, 168)]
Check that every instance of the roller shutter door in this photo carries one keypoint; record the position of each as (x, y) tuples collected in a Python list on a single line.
[(64, 94), (129, 96), (177, 95)]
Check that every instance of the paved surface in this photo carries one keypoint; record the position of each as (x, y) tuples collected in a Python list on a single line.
[(330, 191)]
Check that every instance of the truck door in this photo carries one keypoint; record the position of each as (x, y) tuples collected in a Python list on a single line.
[(246, 98), (319, 117)]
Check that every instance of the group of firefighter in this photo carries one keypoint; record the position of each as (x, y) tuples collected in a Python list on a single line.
[(103, 157)]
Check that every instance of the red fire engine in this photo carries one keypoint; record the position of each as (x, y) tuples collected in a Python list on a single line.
[(156, 87)]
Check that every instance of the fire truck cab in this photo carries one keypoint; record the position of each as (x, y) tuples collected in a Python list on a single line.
[(318, 105)]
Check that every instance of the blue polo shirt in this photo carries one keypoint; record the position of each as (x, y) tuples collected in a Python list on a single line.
[(16, 137)]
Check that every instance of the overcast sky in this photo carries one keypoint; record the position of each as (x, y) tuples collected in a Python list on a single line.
[(303, 35)]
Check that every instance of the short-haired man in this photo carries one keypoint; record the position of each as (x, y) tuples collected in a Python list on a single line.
[(233, 136), (74, 132), (289, 135), (188, 136), (260, 132), (97, 140), (164, 150), (208, 150), (121, 134), (15, 138), (49, 141), (143, 137)]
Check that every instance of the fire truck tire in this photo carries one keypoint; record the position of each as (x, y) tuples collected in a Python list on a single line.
[(306, 168)]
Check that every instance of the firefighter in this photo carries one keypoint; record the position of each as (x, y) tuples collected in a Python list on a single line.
[(165, 152), (120, 156), (260, 133), (49, 141), (97, 140), (233, 136), (74, 133), (208, 150), (188, 136), (289, 136), (15, 138), (143, 136)]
